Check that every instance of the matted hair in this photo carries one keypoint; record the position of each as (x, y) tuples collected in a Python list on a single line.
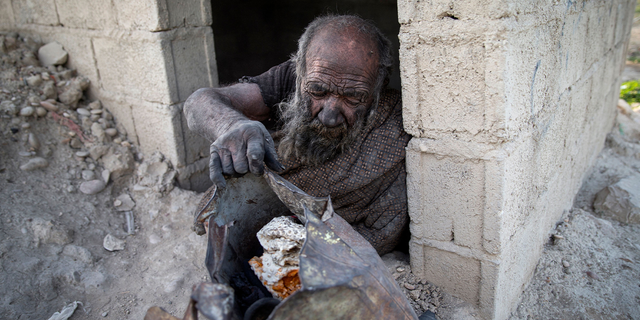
[(365, 27)]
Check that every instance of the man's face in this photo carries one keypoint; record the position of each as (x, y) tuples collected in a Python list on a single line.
[(340, 78), (334, 99)]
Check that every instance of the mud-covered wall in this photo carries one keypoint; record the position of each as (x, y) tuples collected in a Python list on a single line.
[(144, 58), (509, 103)]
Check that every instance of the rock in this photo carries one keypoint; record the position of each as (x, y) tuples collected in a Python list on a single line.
[(9, 108), (52, 54), (41, 112), (70, 95), (33, 141), (83, 112), (34, 163), (112, 243), (29, 59), (34, 80), (49, 106), (126, 203), (118, 161), (95, 105), (88, 175), (620, 201), (27, 111), (409, 286), (97, 151), (75, 143), (49, 90), (111, 132), (97, 131), (47, 232), (105, 175), (92, 187), (78, 253), (82, 154)]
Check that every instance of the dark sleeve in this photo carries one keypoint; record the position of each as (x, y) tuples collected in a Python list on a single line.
[(276, 84)]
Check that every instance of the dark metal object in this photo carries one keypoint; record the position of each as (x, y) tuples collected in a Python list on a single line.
[(342, 275)]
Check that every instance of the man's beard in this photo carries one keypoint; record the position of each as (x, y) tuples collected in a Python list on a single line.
[(308, 140)]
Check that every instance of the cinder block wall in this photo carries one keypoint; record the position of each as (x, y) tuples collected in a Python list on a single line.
[(144, 58), (509, 103)]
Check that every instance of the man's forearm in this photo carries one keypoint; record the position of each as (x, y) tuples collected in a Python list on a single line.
[(210, 114)]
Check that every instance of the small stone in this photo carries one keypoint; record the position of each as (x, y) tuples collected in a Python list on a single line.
[(112, 243), (34, 80), (82, 154), (25, 125), (49, 90), (96, 111), (97, 131), (126, 203), (105, 175), (71, 189), (95, 105), (92, 187), (83, 112), (111, 132), (52, 54), (49, 106), (27, 111), (400, 269), (33, 141), (565, 264), (117, 140), (95, 117), (117, 203), (41, 112), (9, 108), (409, 286), (45, 76), (88, 175), (126, 144), (104, 314), (34, 163), (415, 294), (75, 143), (26, 153)]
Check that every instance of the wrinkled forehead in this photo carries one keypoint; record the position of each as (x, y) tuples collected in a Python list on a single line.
[(345, 48)]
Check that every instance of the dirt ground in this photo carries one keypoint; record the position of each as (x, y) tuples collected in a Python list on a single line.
[(55, 216)]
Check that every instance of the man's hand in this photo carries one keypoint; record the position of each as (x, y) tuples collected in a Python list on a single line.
[(243, 148)]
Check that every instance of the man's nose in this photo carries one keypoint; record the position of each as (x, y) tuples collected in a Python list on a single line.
[(330, 115)]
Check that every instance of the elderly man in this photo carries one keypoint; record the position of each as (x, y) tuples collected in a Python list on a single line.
[(327, 114)]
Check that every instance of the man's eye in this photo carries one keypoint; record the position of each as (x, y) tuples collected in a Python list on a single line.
[(317, 93)]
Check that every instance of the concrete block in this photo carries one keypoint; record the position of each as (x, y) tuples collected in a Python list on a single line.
[(450, 85), (459, 276), (135, 68), (446, 198), (191, 13), (148, 118), (410, 11), (573, 42), (7, 21), (194, 61), (90, 14), (41, 12), (596, 43), (140, 15)]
